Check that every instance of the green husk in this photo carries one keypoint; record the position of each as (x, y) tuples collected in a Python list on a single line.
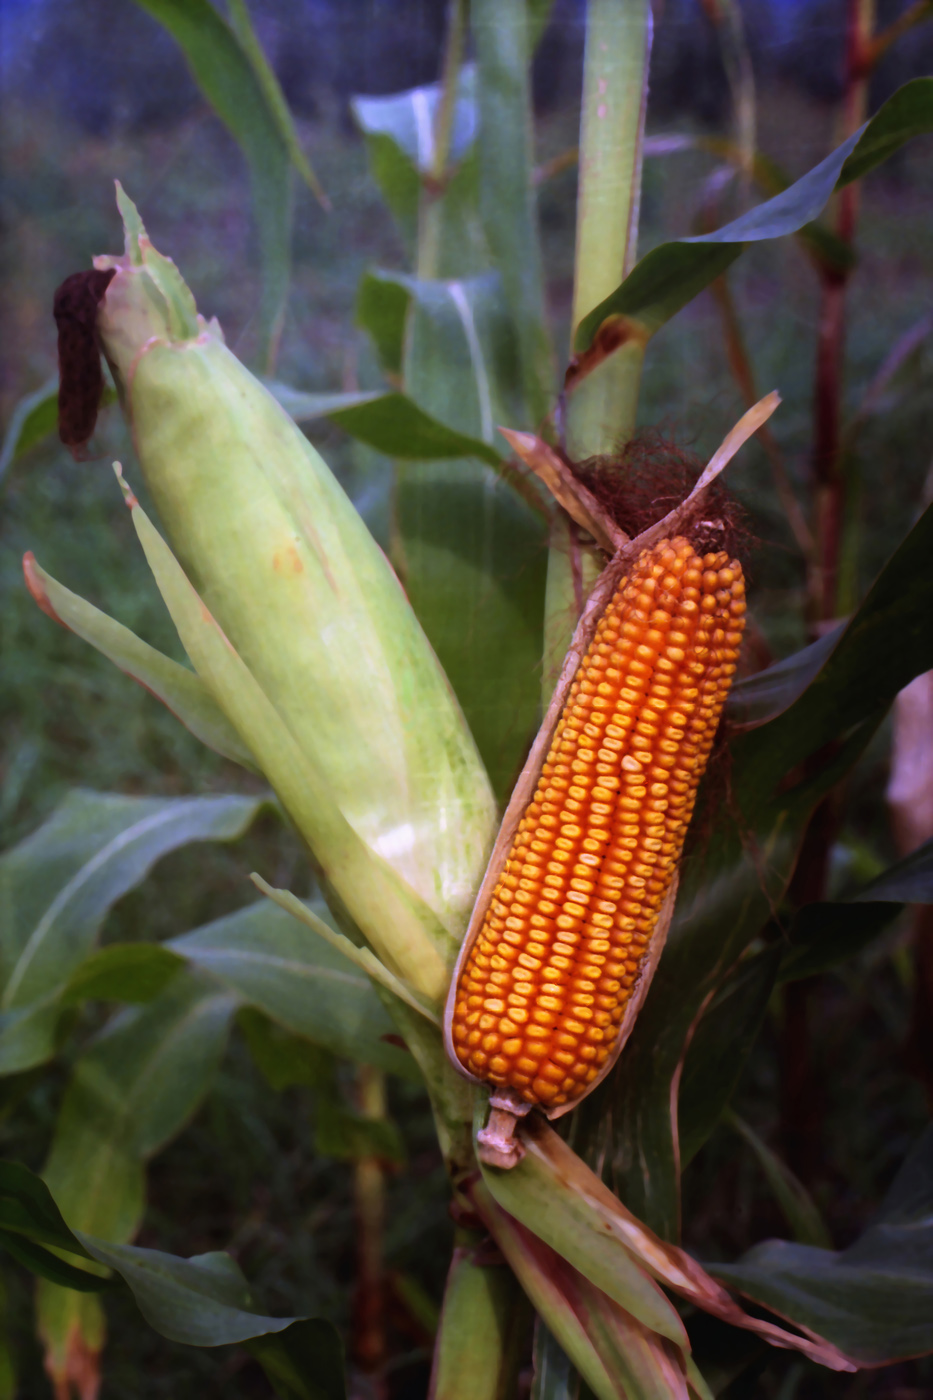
[(285, 565)]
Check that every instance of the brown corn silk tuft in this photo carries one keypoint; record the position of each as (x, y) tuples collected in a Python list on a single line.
[(544, 988), (651, 475)]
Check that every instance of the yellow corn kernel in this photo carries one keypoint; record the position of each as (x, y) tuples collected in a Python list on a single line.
[(598, 845)]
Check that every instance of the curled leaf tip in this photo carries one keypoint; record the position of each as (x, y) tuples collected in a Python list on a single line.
[(35, 582), (125, 487)]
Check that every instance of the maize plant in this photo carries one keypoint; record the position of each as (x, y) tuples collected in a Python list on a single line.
[(531, 901)]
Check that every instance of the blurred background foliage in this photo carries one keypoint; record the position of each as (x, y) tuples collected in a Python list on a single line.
[(99, 91)]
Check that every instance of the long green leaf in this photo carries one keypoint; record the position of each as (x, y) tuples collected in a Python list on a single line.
[(389, 422), (822, 935), (203, 1301), (400, 137), (909, 881), (874, 1300), (619, 1358), (470, 552), (674, 273), (28, 1208), (131, 972), (565, 1221), (58, 884), (826, 934), (472, 1351), (507, 197), (46, 1265), (130, 1093), (554, 1376), (795, 1201), (770, 692), (304, 1362), (179, 689), (230, 82), (35, 417), (272, 962), (719, 1049), (242, 25)]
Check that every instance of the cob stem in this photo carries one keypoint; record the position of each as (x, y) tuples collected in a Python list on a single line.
[(601, 410), (370, 1200)]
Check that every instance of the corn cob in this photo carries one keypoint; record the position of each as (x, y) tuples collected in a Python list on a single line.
[(542, 991)]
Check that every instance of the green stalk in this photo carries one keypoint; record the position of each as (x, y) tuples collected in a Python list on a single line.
[(370, 1199), (431, 210), (601, 409), (478, 1342)]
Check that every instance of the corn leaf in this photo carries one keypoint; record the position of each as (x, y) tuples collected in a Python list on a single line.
[(349, 1136), (362, 958), (28, 1209), (129, 1094), (909, 881), (561, 1217), (382, 302), (822, 935), (400, 138), (770, 692), (46, 1265), (673, 274), (58, 884), (554, 1376), (472, 1352), (35, 417), (618, 1357), (270, 961), (549, 1161), (176, 686), (203, 1301), (389, 422), (508, 204), (720, 1046), (874, 1300), (131, 972), (239, 95), (472, 554), (408, 119), (283, 1058), (242, 26), (304, 1362), (795, 1201)]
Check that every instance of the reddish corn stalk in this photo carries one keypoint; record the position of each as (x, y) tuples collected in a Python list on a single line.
[(542, 992)]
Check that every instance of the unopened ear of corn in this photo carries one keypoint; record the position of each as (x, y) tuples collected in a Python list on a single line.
[(543, 989), (284, 563)]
